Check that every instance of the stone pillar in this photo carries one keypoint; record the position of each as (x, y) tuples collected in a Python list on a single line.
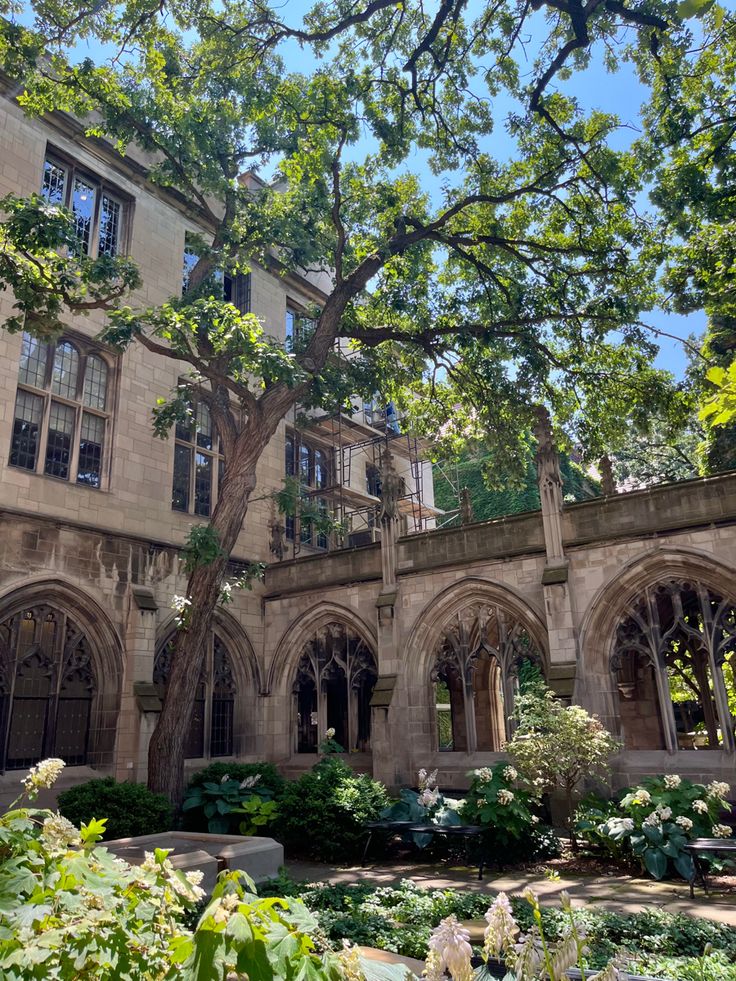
[(140, 704), (385, 732), (563, 657), (608, 484)]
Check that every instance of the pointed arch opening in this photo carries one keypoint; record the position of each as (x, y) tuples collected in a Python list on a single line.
[(335, 676), (672, 662), (475, 674)]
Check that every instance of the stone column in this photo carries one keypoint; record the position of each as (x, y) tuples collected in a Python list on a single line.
[(563, 655), (385, 730)]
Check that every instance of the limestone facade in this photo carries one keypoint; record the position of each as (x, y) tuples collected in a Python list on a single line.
[(88, 576)]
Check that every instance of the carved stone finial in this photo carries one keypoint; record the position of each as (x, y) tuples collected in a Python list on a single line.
[(467, 515), (608, 484), (392, 488)]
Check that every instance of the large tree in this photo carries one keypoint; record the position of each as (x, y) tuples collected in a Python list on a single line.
[(520, 280)]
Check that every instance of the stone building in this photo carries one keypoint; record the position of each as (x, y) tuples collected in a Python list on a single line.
[(408, 640)]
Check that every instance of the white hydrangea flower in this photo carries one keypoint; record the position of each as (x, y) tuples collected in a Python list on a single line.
[(510, 774), (684, 822), (484, 774), (58, 834), (504, 796), (627, 824), (700, 806), (652, 819), (449, 943), (672, 781), (534, 819), (664, 812), (43, 775), (502, 927), (722, 831), (718, 789), (194, 877), (638, 796), (350, 966), (330, 733)]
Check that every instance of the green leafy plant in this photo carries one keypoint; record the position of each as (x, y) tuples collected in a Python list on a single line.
[(497, 803), (427, 806), (259, 814), (222, 803), (269, 779), (557, 746), (130, 809), (329, 744), (591, 814), (73, 911), (658, 817), (323, 813)]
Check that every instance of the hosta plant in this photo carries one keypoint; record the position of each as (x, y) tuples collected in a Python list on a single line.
[(658, 817), (221, 802), (425, 806)]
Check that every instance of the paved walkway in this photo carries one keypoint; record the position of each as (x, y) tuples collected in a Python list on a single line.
[(622, 894)]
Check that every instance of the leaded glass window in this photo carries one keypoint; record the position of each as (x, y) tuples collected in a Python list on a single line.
[(47, 688), (313, 465), (99, 215), (61, 416), (211, 730), (197, 464)]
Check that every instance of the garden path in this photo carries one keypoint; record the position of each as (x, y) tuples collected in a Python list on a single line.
[(622, 894)]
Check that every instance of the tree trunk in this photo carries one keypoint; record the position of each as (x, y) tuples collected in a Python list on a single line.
[(166, 749), (571, 819)]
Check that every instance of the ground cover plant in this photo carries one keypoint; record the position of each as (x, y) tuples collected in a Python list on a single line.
[(654, 821), (401, 919)]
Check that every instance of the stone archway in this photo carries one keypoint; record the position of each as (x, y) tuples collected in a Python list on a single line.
[(61, 670)]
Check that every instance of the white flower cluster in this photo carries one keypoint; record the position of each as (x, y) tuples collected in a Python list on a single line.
[(329, 733), (449, 950), (250, 781), (484, 774), (638, 796), (181, 605), (502, 928), (425, 781), (43, 775), (188, 887), (429, 797), (700, 806), (672, 781), (653, 819), (504, 796), (685, 823), (510, 774), (58, 834), (627, 824), (722, 831), (350, 966), (719, 790)]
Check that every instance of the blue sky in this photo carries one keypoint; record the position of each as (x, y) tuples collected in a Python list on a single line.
[(595, 88)]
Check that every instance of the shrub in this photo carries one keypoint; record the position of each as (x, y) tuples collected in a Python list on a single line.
[(323, 813), (427, 806), (130, 809), (72, 911), (557, 746), (656, 819), (215, 798), (497, 804)]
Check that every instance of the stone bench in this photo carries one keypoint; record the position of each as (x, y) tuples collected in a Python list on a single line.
[(261, 858)]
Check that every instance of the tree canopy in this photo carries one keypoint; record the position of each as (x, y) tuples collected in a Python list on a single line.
[(484, 235)]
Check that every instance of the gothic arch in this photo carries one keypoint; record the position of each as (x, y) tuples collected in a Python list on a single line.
[(68, 670), (463, 659), (224, 722), (655, 638), (285, 662), (428, 627)]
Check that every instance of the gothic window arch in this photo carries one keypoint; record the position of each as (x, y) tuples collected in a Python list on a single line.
[(48, 685), (334, 682), (674, 667), (475, 675), (211, 730)]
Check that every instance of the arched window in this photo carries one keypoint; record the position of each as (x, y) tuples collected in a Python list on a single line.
[(673, 664), (334, 683), (475, 675), (211, 728), (47, 687)]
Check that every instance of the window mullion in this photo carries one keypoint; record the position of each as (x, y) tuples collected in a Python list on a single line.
[(192, 477), (74, 457), (43, 435)]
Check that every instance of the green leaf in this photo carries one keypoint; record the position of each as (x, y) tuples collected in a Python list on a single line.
[(655, 862)]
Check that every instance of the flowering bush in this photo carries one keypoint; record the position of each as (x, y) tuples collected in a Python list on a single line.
[(657, 818), (329, 744), (73, 911), (557, 746), (497, 802)]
